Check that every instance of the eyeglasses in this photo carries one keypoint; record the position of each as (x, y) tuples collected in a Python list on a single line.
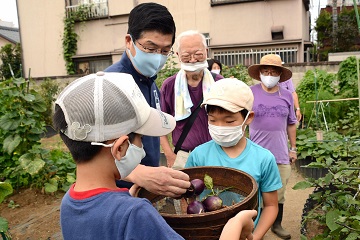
[(156, 50), (270, 72), (186, 57)]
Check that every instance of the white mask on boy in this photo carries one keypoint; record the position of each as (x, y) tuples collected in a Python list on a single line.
[(227, 136), (129, 162)]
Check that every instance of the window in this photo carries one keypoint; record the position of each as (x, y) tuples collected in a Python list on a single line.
[(207, 37), (248, 57), (97, 8), (221, 2), (92, 65)]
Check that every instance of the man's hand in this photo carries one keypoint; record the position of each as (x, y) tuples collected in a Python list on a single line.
[(160, 180)]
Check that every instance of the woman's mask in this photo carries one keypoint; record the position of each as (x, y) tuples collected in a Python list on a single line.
[(269, 81), (216, 71)]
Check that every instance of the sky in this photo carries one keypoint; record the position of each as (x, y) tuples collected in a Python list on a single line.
[(8, 11)]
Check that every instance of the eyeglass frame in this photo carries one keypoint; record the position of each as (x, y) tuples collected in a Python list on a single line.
[(192, 55), (274, 71), (156, 51)]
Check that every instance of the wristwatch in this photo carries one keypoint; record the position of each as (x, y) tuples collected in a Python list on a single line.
[(297, 109), (293, 149)]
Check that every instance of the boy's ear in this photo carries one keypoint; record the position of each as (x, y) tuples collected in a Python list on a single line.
[(250, 118), (120, 147)]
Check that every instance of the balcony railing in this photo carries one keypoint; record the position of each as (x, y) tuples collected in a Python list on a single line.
[(96, 9)]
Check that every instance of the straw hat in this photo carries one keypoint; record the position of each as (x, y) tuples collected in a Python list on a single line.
[(269, 60)]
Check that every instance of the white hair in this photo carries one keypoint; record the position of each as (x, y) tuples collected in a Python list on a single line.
[(190, 33)]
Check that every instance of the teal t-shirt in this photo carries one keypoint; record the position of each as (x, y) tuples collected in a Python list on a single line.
[(255, 160)]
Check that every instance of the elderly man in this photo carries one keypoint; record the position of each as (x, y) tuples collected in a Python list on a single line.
[(181, 96), (274, 122)]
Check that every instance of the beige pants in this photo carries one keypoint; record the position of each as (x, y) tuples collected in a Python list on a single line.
[(285, 172), (180, 161)]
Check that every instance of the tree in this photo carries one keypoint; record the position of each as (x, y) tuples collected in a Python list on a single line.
[(10, 55), (346, 33)]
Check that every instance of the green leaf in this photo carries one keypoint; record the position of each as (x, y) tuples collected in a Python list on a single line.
[(352, 236), (6, 123), (29, 97), (4, 225), (5, 190), (302, 185), (11, 143), (31, 163), (208, 181), (51, 186), (331, 218)]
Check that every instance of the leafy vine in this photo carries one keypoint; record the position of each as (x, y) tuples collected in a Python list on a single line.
[(70, 37)]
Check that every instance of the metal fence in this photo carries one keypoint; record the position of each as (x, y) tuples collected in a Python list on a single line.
[(253, 56), (96, 8)]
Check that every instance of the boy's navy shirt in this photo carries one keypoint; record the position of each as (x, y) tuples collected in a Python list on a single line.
[(152, 96)]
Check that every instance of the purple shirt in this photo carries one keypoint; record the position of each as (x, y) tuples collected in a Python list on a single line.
[(199, 132), (288, 84), (273, 113)]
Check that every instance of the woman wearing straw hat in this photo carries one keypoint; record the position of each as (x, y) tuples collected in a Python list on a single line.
[(274, 124)]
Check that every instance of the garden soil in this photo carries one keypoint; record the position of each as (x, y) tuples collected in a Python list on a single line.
[(33, 215)]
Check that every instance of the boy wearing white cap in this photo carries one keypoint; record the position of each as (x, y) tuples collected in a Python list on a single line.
[(101, 118), (229, 107)]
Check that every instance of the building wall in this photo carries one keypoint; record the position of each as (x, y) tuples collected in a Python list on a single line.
[(240, 25), (41, 30)]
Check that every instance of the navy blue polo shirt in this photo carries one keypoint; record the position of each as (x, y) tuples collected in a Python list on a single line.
[(152, 95)]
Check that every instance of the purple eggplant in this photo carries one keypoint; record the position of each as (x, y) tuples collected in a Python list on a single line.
[(198, 185), (195, 207), (212, 203)]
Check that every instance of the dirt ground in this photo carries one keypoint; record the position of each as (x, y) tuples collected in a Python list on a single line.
[(37, 216)]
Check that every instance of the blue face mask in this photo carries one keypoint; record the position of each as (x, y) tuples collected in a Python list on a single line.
[(148, 64)]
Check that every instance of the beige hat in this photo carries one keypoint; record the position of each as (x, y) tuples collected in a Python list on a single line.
[(269, 60), (230, 94)]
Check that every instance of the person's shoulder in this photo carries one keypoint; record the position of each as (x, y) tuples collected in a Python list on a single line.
[(256, 88), (218, 77), (169, 81), (259, 149), (205, 146)]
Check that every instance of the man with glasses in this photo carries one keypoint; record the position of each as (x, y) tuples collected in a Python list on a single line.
[(149, 40), (274, 124), (181, 95)]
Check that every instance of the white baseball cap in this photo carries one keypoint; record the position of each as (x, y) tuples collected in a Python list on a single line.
[(104, 106)]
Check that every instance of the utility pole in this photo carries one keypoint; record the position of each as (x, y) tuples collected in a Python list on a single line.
[(335, 23)]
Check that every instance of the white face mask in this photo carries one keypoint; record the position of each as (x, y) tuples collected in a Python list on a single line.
[(269, 81), (216, 71), (194, 67), (129, 162), (227, 136)]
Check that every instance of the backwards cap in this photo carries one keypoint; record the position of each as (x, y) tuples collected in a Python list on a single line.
[(230, 94), (104, 106)]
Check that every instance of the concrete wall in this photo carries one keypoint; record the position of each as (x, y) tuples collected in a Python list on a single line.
[(298, 70), (341, 56)]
